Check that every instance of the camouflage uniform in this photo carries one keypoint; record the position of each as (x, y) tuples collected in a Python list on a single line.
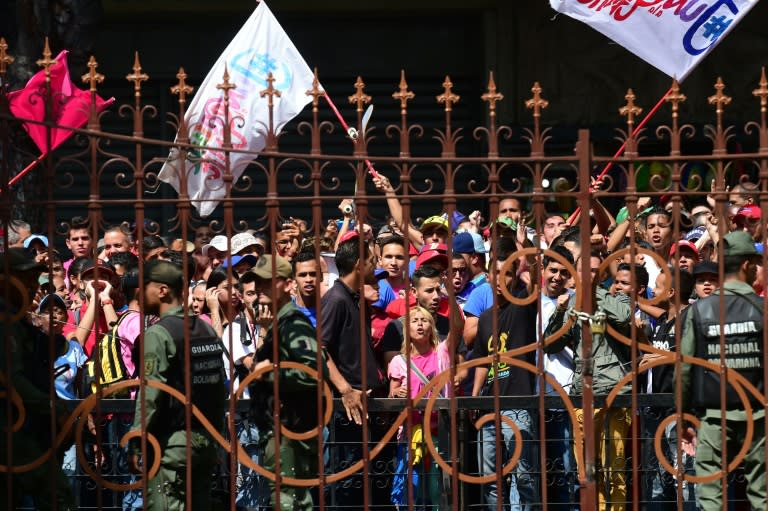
[(298, 413), (165, 419), (30, 375)]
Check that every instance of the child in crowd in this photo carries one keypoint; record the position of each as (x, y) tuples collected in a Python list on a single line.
[(420, 361)]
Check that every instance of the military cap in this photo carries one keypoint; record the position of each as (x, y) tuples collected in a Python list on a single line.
[(263, 268), (738, 243), (163, 272)]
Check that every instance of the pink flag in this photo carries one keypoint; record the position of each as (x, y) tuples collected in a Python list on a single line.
[(70, 106)]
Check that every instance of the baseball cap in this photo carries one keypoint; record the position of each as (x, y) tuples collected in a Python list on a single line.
[(435, 220), (738, 243), (263, 268), (242, 240), (105, 269), (463, 243), (683, 244), (18, 260), (51, 299), (479, 243), (433, 252), (749, 211), (385, 230), (163, 272), (695, 234), (40, 237), (237, 259), (179, 245), (219, 242), (352, 234), (623, 214), (704, 267), (456, 219)]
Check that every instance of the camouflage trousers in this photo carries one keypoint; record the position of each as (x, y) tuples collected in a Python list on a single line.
[(167, 491), (298, 460)]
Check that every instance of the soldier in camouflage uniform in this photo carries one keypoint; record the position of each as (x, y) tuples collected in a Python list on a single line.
[(742, 330), (28, 375), (164, 361), (295, 341)]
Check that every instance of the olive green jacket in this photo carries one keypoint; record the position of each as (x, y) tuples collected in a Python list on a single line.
[(611, 358)]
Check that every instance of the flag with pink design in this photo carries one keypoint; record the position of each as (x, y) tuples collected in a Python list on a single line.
[(259, 48), (671, 35)]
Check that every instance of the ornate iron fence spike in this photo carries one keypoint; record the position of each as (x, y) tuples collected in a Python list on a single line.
[(403, 94), (46, 62), (5, 58), (137, 76), (448, 97), (359, 98), (492, 96)]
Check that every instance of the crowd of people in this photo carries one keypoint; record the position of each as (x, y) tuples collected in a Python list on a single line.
[(384, 312)]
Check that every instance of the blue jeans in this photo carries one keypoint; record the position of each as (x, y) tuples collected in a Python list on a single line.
[(249, 483), (524, 484), (562, 477)]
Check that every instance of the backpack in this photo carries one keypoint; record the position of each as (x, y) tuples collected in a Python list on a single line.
[(107, 354)]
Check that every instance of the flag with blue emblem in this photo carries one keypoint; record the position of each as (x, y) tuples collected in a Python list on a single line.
[(260, 47), (673, 36)]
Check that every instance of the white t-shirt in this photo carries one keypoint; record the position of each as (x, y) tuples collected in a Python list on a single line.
[(243, 344), (558, 365)]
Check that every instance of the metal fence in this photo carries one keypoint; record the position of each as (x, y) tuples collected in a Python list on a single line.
[(112, 177)]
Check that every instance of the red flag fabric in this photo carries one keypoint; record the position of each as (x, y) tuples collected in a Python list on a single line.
[(69, 109)]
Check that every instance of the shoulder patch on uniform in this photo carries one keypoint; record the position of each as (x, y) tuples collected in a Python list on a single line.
[(150, 364)]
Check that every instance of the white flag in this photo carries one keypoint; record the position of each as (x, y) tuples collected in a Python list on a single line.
[(260, 47), (671, 35)]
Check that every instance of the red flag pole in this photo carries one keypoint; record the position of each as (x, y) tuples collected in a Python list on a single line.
[(609, 165), (353, 134), (29, 167)]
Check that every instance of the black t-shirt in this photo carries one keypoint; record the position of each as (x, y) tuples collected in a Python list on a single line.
[(517, 328), (341, 331), (664, 339)]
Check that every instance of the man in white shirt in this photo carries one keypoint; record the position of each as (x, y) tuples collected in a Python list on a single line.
[(242, 337), (561, 473)]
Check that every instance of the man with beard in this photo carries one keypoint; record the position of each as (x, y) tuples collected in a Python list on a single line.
[(165, 351), (742, 334), (469, 247)]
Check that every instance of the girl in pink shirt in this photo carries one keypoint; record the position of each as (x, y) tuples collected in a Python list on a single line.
[(428, 358)]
